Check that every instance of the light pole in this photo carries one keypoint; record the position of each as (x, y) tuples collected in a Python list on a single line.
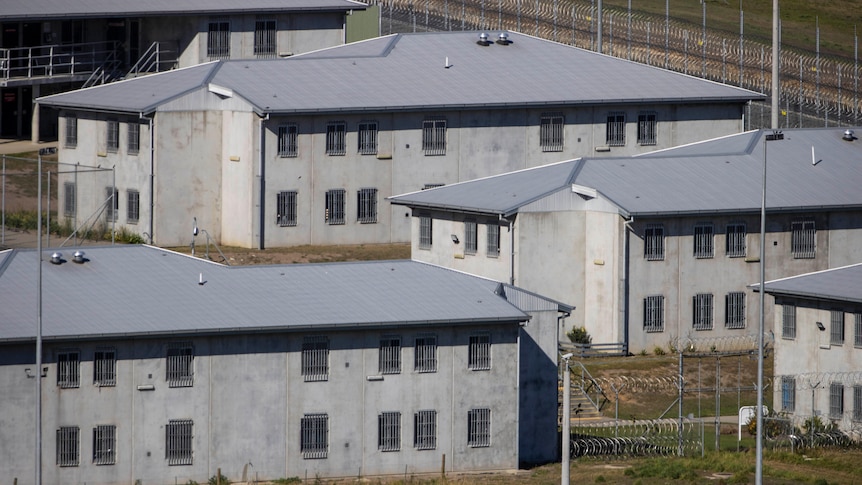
[(567, 418)]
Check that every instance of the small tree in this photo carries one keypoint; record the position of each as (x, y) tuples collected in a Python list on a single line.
[(579, 335)]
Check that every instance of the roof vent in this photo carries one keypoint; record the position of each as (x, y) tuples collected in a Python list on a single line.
[(56, 258), (849, 135), (483, 39), (78, 257), (503, 39)]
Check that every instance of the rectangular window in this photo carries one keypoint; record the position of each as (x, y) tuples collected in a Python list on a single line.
[(133, 206), (287, 134), (366, 206), (857, 402), (703, 241), (218, 39), (802, 241), (734, 243), (654, 314), (264, 37), (105, 367), (647, 128), (434, 137), (431, 186), (104, 445), (69, 369), (702, 311), (471, 238), (654, 242), (836, 330), (788, 394), (334, 206), (857, 327), (315, 358), (479, 353), (336, 134), (479, 428), (493, 240), (367, 134), (389, 431), (389, 359), (836, 400), (180, 365), (70, 199), (285, 208), (551, 132), (616, 129), (134, 138), (425, 232), (788, 321), (425, 354), (179, 435), (71, 139), (113, 136), (112, 203), (734, 310), (425, 430), (68, 446), (314, 436)]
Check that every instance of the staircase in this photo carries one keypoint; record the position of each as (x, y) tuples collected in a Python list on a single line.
[(587, 397)]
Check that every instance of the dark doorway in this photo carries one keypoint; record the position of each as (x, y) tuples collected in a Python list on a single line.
[(117, 33)]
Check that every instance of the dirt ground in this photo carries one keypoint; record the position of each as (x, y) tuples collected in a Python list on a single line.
[(301, 254)]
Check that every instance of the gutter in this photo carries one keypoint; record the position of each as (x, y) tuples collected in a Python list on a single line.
[(152, 175)]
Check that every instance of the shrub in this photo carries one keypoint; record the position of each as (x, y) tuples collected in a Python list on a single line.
[(579, 335), (218, 480), (658, 350)]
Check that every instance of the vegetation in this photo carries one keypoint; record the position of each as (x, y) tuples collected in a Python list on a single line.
[(579, 335), (24, 220)]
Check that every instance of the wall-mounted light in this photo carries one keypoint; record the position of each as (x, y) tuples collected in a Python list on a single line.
[(821, 326), (455, 239)]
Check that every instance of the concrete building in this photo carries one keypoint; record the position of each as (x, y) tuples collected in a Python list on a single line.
[(656, 247), (49, 46), (306, 150), (160, 367)]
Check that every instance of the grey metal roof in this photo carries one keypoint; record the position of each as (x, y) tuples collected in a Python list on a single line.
[(408, 72), (142, 290), (48, 9), (840, 284)]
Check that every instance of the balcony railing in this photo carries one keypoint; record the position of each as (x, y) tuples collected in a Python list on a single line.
[(54, 60)]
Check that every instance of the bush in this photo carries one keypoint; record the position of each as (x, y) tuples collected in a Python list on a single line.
[(218, 480), (658, 350), (579, 335)]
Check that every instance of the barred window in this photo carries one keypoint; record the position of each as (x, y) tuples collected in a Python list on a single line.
[(366, 206), (113, 136), (334, 207), (389, 359), (551, 132), (788, 394), (425, 354), (479, 354), (218, 39), (425, 227), (425, 430), (654, 242), (104, 445), (431, 186), (105, 367), (616, 129), (69, 369), (836, 400), (389, 431), (264, 37), (434, 137), (68, 446), (702, 311), (788, 321), (703, 241), (336, 133), (71, 138), (367, 135), (647, 128), (314, 436), (315, 358), (180, 364), (133, 206), (70, 199), (493, 239), (734, 310), (802, 240), (112, 203), (654, 314), (471, 238), (479, 427), (179, 437), (836, 331), (857, 402), (287, 140), (734, 243), (285, 208), (857, 327), (133, 138)]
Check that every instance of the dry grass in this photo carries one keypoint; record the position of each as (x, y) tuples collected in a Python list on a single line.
[(304, 254)]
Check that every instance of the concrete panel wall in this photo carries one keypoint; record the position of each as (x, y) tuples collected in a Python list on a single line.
[(239, 184)]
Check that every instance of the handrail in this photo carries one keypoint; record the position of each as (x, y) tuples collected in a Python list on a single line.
[(153, 58), (50, 60), (596, 350), (587, 383)]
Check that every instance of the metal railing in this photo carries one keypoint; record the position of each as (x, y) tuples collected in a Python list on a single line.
[(157, 58), (54, 60), (583, 380), (595, 350)]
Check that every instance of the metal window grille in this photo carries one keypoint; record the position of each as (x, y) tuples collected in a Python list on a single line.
[(104, 445), (265, 37), (788, 321), (112, 203), (133, 206), (425, 354), (425, 227), (788, 394), (836, 400), (389, 431), (836, 329), (389, 359), (314, 436), (425, 430), (434, 137), (654, 314), (218, 39), (69, 199), (479, 428), (133, 138), (113, 136), (654, 242), (802, 241), (734, 310), (285, 210), (179, 437), (616, 130), (703, 241), (334, 206), (315, 358), (336, 133), (68, 446), (734, 244), (551, 132), (431, 186), (647, 128), (857, 327), (493, 240), (180, 364), (702, 311), (471, 238), (287, 140), (105, 367), (71, 139), (367, 138), (857, 402), (366, 206), (479, 353), (69, 369)]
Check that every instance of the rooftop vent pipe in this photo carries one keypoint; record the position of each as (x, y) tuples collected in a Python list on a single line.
[(483, 39), (849, 135), (503, 38), (56, 258), (78, 257)]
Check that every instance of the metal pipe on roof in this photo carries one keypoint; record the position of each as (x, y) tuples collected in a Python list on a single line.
[(262, 182)]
